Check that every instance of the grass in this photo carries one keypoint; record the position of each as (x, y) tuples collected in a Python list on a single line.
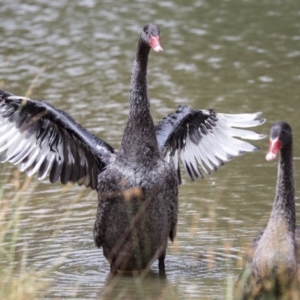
[(17, 281)]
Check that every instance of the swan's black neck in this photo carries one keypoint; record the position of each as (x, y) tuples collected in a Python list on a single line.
[(139, 100), (284, 202), (139, 143)]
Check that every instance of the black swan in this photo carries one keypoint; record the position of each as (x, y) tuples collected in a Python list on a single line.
[(272, 259), (138, 185)]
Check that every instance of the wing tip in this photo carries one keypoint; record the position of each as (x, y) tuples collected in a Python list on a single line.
[(262, 121), (261, 136), (256, 149)]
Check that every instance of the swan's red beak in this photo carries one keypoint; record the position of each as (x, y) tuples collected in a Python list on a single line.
[(274, 147), (155, 43)]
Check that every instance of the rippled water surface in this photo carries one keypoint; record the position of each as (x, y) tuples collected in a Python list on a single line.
[(233, 56)]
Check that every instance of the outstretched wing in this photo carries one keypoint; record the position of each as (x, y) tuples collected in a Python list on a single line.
[(204, 139), (44, 140)]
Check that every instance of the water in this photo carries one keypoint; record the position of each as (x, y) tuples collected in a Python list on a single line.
[(233, 56)]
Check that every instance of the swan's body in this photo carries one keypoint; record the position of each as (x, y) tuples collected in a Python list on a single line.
[(138, 195), (271, 261), (137, 186)]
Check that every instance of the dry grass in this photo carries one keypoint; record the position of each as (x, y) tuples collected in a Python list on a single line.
[(17, 281)]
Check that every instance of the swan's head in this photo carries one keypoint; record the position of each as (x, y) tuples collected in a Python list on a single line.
[(151, 36), (280, 136)]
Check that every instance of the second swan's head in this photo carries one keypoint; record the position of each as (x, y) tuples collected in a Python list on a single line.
[(280, 136), (151, 36)]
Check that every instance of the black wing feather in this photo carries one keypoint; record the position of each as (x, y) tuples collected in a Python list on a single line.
[(62, 147), (204, 138)]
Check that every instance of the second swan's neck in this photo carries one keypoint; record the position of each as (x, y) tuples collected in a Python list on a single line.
[(284, 202), (139, 142)]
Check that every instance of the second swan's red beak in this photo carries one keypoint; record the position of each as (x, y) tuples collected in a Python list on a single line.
[(155, 43), (274, 148)]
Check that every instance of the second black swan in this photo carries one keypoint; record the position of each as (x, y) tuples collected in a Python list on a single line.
[(138, 185), (272, 260)]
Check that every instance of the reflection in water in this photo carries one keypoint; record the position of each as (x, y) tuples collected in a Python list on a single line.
[(128, 286), (234, 56)]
